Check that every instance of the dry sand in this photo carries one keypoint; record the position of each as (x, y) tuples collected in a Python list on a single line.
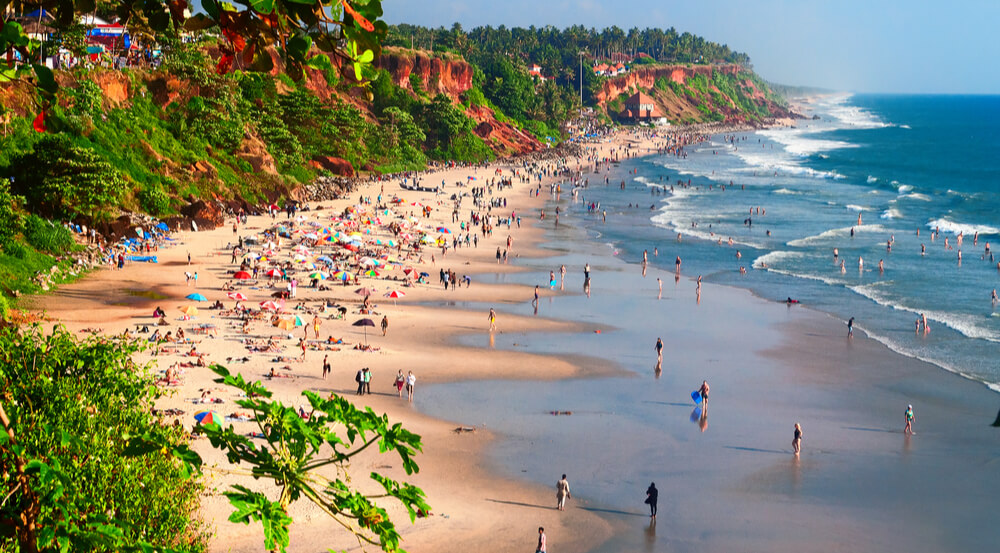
[(471, 507)]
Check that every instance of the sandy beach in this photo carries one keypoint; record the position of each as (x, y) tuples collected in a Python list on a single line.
[(731, 485)]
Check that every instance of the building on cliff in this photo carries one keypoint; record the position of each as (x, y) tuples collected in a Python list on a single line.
[(640, 107)]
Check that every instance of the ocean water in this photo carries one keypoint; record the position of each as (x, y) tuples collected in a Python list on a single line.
[(902, 164)]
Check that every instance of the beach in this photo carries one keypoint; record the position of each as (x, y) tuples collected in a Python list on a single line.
[(728, 480)]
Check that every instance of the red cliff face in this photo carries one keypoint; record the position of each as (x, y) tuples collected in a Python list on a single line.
[(505, 139), (437, 75), (645, 77)]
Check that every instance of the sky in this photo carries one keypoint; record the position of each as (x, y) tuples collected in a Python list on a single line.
[(887, 46)]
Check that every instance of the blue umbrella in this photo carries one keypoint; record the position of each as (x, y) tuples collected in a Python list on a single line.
[(197, 297), (162, 226)]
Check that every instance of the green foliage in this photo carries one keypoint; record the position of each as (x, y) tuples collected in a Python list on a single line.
[(63, 180), (154, 199), (47, 237), (68, 408), (294, 450), (11, 217), (417, 85)]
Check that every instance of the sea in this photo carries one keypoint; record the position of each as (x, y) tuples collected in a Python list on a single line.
[(919, 173), (901, 164)]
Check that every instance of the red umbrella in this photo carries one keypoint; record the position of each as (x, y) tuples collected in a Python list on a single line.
[(274, 273), (242, 275), (236, 296), (273, 306)]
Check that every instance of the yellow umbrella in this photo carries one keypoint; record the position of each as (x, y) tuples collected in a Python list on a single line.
[(285, 324), (189, 310)]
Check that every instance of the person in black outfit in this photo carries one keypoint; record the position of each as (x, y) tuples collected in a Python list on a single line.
[(651, 495)]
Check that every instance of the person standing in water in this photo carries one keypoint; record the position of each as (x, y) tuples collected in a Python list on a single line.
[(493, 320), (562, 493), (850, 327), (797, 440), (909, 420), (659, 351), (652, 495), (703, 392)]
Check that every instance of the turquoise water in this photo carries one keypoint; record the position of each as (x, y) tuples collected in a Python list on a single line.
[(901, 163)]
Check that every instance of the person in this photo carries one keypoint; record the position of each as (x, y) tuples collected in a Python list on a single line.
[(651, 495), (586, 272), (359, 377), (562, 493), (385, 324), (909, 420), (368, 380), (411, 381), (302, 345), (850, 327), (493, 320), (400, 382), (316, 322), (541, 541), (703, 392), (797, 440), (326, 366), (659, 351)]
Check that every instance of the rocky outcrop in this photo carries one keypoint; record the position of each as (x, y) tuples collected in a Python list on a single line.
[(335, 165), (645, 77), (504, 138), (437, 74), (207, 215), (254, 151)]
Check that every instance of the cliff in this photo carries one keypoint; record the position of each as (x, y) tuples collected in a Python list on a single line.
[(744, 99), (450, 76)]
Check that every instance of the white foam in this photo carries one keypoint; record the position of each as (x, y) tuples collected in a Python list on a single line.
[(872, 180), (785, 191), (855, 207), (800, 142), (953, 227), (917, 196), (905, 127), (853, 116), (771, 259), (835, 233), (891, 213), (902, 188), (964, 324)]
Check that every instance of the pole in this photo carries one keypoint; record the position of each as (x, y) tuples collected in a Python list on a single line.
[(581, 84)]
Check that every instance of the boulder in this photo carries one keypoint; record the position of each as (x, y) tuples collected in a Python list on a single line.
[(207, 215), (335, 165)]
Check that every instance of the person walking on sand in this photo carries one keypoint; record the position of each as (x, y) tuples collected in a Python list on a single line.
[(400, 382), (326, 366), (659, 351), (850, 327), (493, 320), (703, 392), (797, 440), (411, 381), (562, 493), (651, 496), (302, 344), (316, 322), (909, 420), (540, 548), (385, 324)]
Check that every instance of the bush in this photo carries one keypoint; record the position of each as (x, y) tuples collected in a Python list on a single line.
[(11, 219), (73, 405), (154, 199), (47, 237)]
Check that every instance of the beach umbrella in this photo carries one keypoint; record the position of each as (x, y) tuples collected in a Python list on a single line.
[(395, 294), (270, 305), (236, 296), (342, 275), (425, 274), (364, 291), (205, 418), (189, 310), (196, 297), (242, 275), (285, 324), (365, 323), (298, 321), (325, 259), (372, 273), (318, 275), (427, 239), (275, 273), (443, 230)]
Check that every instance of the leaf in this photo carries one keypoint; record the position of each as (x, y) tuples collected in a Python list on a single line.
[(321, 62), (265, 7), (299, 46), (46, 79), (199, 22), (211, 7), (357, 17)]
